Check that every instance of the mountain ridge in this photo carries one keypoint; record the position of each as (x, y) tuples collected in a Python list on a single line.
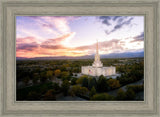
[(112, 55)]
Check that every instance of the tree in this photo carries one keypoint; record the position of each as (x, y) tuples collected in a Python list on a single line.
[(65, 75), (83, 90), (49, 74), (113, 83), (78, 90), (75, 90), (57, 72), (56, 87), (92, 92), (80, 80), (65, 87), (92, 83), (102, 84), (26, 80), (73, 81), (121, 95), (35, 78), (130, 94), (50, 95), (102, 97), (43, 76), (85, 82), (33, 95)]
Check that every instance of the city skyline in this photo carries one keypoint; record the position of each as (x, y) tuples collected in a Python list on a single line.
[(45, 36)]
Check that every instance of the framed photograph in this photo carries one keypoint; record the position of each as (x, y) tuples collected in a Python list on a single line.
[(79, 58)]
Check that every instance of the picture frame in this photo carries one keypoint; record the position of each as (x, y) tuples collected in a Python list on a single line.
[(10, 9)]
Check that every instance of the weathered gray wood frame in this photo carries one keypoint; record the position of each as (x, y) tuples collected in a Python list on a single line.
[(9, 9)]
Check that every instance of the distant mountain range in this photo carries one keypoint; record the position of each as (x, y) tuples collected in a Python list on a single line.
[(112, 55)]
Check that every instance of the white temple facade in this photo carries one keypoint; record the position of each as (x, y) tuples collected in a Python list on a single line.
[(97, 68)]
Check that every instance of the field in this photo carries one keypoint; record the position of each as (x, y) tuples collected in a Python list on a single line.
[(51, 80)]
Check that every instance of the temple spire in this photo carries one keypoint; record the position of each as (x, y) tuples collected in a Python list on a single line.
[(97, 62), (97, 48), (97, 58)]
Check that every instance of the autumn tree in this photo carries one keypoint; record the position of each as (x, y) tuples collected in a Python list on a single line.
[(102, 97), (78, 90), (57, 72), (50, 95), (113, 83), (49, 74)]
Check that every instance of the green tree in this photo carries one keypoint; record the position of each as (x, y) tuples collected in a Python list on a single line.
[(130, 94), (92, 83), (73, 81), (102, 84), (80, 80), (121, 95), (75, 90), (85, 82), (65, 75), (65, 87), (83, 90), (92, 92)]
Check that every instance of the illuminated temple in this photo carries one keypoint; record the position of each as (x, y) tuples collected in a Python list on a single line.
[(97, 68)]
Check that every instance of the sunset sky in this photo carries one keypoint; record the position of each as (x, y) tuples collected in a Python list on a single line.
[(47, 36)]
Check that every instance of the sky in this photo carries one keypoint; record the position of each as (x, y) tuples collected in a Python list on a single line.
[(51, 36)]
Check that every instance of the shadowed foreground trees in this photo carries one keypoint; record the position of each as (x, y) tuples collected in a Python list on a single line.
[(65, 87), (78, 90), (102, 97)]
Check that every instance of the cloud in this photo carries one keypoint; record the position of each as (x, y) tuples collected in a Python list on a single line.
[(27, 47), (56, 43), (106, 19), (52, 46), (26, 44), (120, 25), (104, 46), (139, 37), (117, 22), (57, 25)]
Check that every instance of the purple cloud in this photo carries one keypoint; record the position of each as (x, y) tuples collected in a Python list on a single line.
[(120, 21), (27, 46)]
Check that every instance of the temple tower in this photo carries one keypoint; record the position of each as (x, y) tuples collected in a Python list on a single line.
[(97, 62)]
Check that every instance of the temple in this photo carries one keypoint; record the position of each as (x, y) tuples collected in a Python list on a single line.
[(97, 68)]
